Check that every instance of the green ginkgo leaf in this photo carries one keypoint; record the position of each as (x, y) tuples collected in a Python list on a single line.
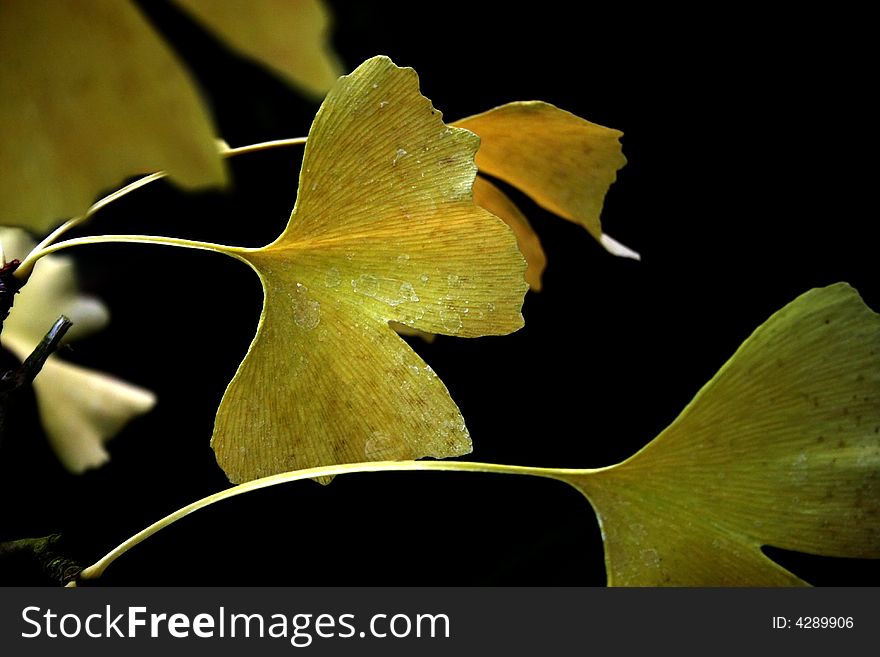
[(780, 448), (384, 230)]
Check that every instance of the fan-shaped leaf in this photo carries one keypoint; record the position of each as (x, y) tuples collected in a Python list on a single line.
[(781, 448), (565, 163), (384, 229)]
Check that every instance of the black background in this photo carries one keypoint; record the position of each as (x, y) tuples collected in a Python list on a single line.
[(750, 180)]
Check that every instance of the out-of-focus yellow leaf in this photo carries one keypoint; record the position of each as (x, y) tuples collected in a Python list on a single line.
[(80, 409), (384, 229), (565, 163), (490, 198), (291, 36), (51, 291), (780, 448), (89, 95)]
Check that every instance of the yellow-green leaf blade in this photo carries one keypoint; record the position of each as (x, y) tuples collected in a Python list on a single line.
[(781, 448), (291, 36), (652, 541), (321, 386), (89, 95), (384, 230), (492, 199), (385, 213), (565, 163)]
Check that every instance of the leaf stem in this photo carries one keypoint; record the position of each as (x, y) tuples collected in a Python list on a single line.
[(41, 249), (226, 151), (96, 570), (37, 252), (141, 239)]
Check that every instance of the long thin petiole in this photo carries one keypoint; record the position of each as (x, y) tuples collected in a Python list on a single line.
[(140, 239), (226, 151), (42, 249), (24, 269), (95, 570)]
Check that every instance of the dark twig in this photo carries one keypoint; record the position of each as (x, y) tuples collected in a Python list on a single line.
[(34, 363), (13, 380), (30, 561)]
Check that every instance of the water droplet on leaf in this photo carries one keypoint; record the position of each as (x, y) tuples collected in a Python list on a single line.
[(451, 320), (332, 278), (306, 311)]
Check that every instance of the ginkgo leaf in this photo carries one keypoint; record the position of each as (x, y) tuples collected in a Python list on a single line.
[(384, 229), (291, 36), (563, 162), (780, 448), (90, 95), (80, 409)]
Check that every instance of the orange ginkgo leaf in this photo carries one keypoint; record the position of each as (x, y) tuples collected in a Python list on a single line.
[(780, 448), (563, 162), (384, 230)]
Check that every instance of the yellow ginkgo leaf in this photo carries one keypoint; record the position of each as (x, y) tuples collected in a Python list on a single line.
[(563, 162), (291, 36), (80, 409), (384, 229), (90, 95), (780, 448)]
